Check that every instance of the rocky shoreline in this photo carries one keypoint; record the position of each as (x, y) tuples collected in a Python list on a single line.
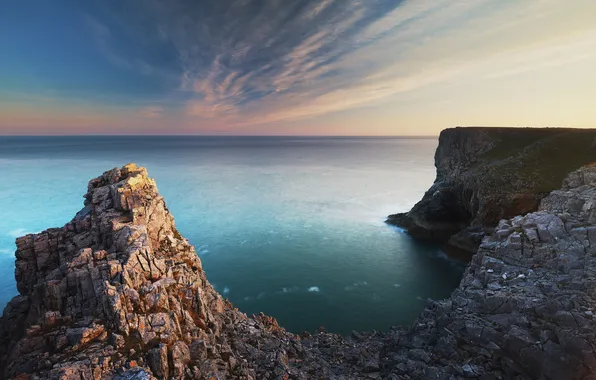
[(485, 175), (525, 306), (118, 293)]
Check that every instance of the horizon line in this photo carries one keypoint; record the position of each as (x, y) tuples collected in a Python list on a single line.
[(209, 135), (289, 135)]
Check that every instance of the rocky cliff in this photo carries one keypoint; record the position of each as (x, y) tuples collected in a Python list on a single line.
[(526, 305), (117, 293), (488, 174)]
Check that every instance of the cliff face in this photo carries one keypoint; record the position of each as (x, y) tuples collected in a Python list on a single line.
[(525, 307), (117, 293), (488, 174)]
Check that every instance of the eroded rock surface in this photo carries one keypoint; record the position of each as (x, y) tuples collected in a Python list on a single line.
[(488, 174), (117, 293), (526, 306)]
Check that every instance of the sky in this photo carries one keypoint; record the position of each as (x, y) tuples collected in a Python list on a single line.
[(294, 67)]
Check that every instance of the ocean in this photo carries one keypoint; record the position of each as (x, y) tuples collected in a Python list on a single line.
[(290, 226)]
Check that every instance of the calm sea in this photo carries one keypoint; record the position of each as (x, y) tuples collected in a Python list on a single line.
[(290, 226)]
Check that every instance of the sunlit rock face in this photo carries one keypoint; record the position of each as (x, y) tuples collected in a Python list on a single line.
[(488, 174), (119, 293), (118, 276)]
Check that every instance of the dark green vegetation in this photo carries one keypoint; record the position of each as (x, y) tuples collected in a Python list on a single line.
[(540, 157)]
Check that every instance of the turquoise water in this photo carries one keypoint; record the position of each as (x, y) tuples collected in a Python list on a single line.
[(289, 226)]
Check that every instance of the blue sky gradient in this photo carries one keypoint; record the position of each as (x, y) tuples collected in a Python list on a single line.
[(379, 67)]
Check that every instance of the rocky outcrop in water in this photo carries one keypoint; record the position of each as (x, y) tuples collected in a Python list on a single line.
[(117, 293), (488, 174)]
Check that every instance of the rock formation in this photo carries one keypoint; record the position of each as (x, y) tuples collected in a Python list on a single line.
[(488, 174), (117, 293), (525, 306)]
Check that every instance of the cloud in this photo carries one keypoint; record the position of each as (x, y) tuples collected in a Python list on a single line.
[(151, 112), (102, 35), (106, 42), (555, 54), (236, 58), (246, 65), (277, 63)]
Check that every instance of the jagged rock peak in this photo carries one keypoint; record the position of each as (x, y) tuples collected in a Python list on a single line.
[(119, 293), (119, 274)]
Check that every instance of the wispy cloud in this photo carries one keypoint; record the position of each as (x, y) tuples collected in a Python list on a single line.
[(151, 112), (104, 42), (255, 55), (286, 62), (245, 63)]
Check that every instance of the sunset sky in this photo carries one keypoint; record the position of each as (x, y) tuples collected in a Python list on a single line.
[(294, 67)]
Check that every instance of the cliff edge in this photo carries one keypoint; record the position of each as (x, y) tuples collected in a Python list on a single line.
[(118, 293), (488, 174)]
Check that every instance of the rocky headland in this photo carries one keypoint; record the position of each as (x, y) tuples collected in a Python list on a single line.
[(485, 175), (118, 293)]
